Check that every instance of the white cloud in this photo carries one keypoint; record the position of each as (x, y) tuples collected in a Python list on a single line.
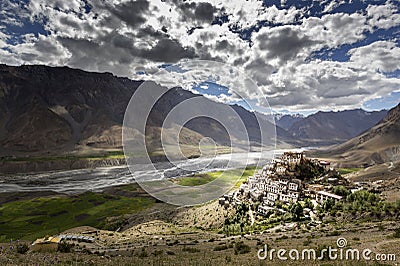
[(328, 84), (284, 16), (11, 12), (336, 29), (332, 5), (383, 16), (37, 50), (111, 37), (381, 56), (241, 13)]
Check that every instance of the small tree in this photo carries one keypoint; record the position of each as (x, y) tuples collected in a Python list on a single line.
[(308, 204), (296, 210), (328, 205), (341, 191)]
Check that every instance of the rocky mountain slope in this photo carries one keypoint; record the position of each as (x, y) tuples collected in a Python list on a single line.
[(52, 111), (287, 121), (48, 112), (334, 127), (55, 110), (379, 144)]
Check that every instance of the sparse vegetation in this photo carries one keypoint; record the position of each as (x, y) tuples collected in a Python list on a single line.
[(238, 222), (221, 247), (396, 233), (190, 249), (362, 202), (169, 252), (157, 252), (65, 247), (22, 248), (241, 248), (341, 191), (105, 155), (143, 253), (297, 211), (344, 171)]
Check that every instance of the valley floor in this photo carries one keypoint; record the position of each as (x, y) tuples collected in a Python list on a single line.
[(131, 228), (206, 248)]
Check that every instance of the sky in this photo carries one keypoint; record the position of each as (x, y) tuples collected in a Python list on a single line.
[(304, 55)]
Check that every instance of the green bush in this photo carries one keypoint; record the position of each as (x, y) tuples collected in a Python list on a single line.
[(341, 191)]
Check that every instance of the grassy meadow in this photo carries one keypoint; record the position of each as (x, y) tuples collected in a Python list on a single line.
[(33, 218), (204, 178)]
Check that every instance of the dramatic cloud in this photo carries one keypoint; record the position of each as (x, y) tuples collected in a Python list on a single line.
[(284, 42), (301, 58), (123, 11), (381, 56)]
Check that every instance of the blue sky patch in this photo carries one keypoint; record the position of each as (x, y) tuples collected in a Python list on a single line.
[(386, 102), (211, 88)]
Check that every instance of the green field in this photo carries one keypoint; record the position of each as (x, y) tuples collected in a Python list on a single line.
[(30, 219), (34, 218), (344, 171), (106, 155), (201, 179)]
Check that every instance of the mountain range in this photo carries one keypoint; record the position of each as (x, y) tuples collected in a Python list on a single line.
[(377, 145), (52, 111), (324, 128), (48, 111)]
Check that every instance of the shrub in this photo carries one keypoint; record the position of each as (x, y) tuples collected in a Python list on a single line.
[(157, 252), (341, 191), (221, 247), (334, 233), (173, 243), (22, 249), (397, 233), (143, 254), (65, 247), (190, 249), (241, 248)]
